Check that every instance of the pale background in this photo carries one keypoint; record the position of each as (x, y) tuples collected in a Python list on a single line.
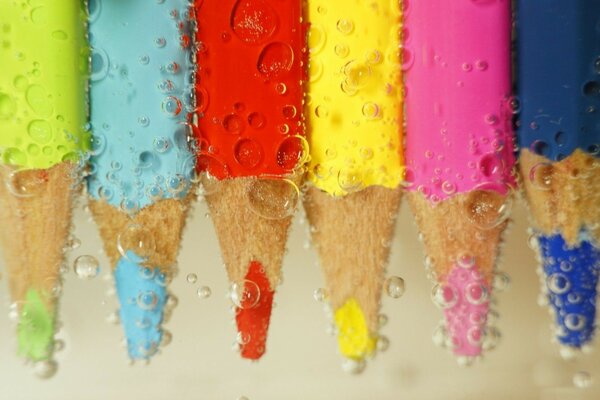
[(301, 362)]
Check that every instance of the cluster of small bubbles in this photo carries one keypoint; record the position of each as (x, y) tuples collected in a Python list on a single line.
[(86, 267), (394, 287), (244, 294)]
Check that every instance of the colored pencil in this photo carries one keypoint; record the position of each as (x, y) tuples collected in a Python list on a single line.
[(249, 98), (459, 155), (558, 45), (142, 167), (42, 117), (355, 112)]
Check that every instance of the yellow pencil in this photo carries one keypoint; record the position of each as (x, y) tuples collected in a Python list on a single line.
[(354, 108)]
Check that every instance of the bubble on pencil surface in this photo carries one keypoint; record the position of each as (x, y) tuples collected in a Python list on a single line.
[(136, 239), (541, 176), (273, 198), (244, 294), (86, 267), (26, 183), (487, 209)]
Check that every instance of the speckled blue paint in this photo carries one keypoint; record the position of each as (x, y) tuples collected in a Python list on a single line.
[(572, 280), (558, 76), (140, 96), (142, 294)]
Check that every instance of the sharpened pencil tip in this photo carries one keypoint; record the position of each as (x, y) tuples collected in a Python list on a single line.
[(35, 333), (253, 312), (570, 282), (465, 300), (354, 339), (142, 295)]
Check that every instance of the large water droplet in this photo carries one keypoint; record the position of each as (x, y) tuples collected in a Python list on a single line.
[(275, 59), (273, 198)]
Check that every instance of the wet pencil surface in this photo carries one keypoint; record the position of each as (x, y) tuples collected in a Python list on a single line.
[(251, 146)]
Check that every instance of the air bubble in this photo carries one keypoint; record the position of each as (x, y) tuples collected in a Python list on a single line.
[(487, 209), (25, 183), (204, 292), (353, 366), (541, 175), (147, 300), (86, 267), (394, 287), (345, 26), (558, 283), (273, 198), (582, 380), (476, 293), (444, 296), (575, 322), (45, 369), (320, 295), (244, 294), (171, 106), (137, 239)]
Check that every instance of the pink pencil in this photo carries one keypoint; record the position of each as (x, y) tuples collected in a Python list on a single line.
[(459, 155)]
